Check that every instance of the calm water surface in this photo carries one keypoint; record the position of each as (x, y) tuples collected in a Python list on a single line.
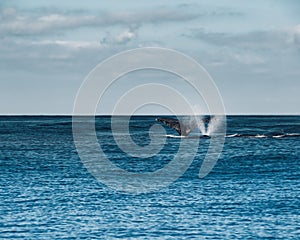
[(252, 193)]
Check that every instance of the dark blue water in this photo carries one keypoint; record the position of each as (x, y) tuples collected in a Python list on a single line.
[(252, 193)]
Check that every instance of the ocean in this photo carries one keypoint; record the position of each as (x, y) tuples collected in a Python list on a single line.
[(47, 192)]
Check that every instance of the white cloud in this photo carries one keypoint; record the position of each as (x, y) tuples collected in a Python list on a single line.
[(249, 58), (255, 40), (125, 36), (122, 38), (14, 22), (294, 34), (26, 25), (63, 56), (69, 44), (7, 13)]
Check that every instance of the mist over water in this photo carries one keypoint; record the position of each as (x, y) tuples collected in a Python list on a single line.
[(208, 126), (200, 123)]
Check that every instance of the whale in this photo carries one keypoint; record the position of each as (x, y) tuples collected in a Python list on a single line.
[(180, 127)]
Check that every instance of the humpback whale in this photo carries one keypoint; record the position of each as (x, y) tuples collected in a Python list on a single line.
[(179, 126)]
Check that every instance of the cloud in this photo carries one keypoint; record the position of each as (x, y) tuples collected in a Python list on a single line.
[(20, 24), (60, 57), (253, 40), (125, 36), (294, 34), (258, 47), (68, 44), (15, 22), (121, 38), (248, 58), (7, 13)]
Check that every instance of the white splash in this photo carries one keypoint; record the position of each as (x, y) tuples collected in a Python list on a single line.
[(208, 129), (213, 126), (201, 125)]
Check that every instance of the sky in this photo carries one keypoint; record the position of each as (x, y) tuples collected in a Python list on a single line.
[(251, 49)]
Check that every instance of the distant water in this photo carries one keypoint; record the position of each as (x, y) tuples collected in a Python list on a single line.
[(252, 193)]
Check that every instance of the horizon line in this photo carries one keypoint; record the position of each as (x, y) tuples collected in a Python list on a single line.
[(108, 115)]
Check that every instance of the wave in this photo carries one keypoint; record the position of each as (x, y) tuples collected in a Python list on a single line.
[(175, 136), (242, 135), (260, 136), (233, 135), (276, 135)]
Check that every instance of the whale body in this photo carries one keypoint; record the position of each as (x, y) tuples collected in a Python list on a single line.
[(179, 126)]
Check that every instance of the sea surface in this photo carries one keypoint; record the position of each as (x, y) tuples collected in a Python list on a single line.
[(253, 192)]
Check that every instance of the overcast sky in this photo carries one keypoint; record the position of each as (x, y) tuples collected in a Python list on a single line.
[(250, 48)]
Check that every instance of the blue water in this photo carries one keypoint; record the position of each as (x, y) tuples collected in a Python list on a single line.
[(253, 191)]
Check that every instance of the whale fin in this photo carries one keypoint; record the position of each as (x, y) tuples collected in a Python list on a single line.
[(181, 128), (171, 122)]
